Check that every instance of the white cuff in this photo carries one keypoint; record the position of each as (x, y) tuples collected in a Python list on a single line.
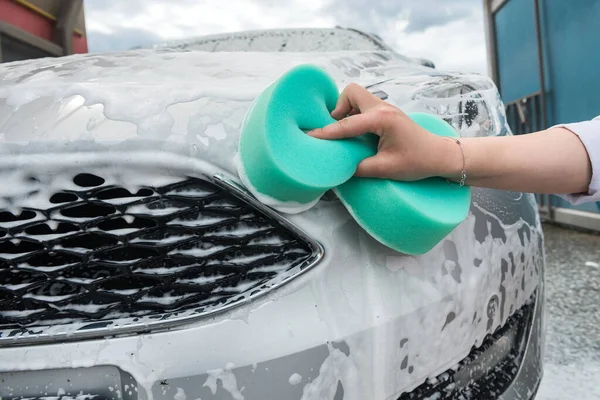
[(589, 134)]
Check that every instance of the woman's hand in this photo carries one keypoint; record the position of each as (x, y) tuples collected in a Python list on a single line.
[(406, 151)]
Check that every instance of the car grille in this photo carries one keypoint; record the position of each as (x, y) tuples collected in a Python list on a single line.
[(90, 254), (488, 370)]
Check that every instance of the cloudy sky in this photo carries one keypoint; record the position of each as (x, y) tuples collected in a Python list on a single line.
[(448, 32)]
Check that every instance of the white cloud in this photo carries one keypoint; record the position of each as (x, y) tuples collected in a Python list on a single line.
[(448, 32), (458, 45), (94, 26)]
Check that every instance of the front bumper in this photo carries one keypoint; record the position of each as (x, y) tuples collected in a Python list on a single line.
[(515, 374), (507, 366)]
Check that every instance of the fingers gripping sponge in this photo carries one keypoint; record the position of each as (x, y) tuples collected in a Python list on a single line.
[(411, 217), (280, 161), (278, 158)]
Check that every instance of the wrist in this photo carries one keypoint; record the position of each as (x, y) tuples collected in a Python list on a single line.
[(450, 162)]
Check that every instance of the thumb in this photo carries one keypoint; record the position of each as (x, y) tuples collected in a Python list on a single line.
[(354, 125), (380, 165)]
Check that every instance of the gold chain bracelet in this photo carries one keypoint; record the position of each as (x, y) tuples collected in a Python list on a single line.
[(463, 173)]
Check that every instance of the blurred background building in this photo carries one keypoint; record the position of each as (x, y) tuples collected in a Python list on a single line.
[(41, 28), (544, 57)]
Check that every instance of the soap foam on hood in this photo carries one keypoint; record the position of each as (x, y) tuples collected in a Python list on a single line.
[(286, 207)]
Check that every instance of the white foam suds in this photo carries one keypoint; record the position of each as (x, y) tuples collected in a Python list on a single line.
[(202, 250), (180, 395), (161, 271), (123, 200), (266, 240), (200, 221), (53, 268), (144, 209), (336, 366), (12, 224), (10, 256), (280, 266), (51, 236), (190, 192), (25, 313), (86, 308), (125, 292), (287, 207), (48, 299), (162, 240), (202, 280), (250, 259), (295, 379), (166, 299), (227, 379), (15, 286), (239, 230)]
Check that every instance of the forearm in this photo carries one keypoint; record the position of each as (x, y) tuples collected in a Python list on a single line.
[(551, 161)]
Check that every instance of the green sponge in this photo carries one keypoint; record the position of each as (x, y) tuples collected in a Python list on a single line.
[(278, 160), (411, 217)]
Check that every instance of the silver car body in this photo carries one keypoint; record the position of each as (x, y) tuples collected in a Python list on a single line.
[(360, 322)]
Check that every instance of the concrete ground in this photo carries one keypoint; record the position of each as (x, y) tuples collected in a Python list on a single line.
[(572, 360)]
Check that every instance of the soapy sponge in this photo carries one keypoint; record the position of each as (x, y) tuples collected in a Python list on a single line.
[(411, 217), (278, 158), (280, 161)]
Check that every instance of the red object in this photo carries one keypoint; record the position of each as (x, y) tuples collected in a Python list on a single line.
[(36, 24), (26, 19), (79, 44)]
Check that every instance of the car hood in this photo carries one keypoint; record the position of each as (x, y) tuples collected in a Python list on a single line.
[(196, 101)]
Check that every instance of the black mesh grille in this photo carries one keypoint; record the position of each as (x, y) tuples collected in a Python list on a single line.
[(99, 252)]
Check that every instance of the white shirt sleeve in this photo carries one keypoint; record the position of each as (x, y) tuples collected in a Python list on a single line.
[(589, 134)]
